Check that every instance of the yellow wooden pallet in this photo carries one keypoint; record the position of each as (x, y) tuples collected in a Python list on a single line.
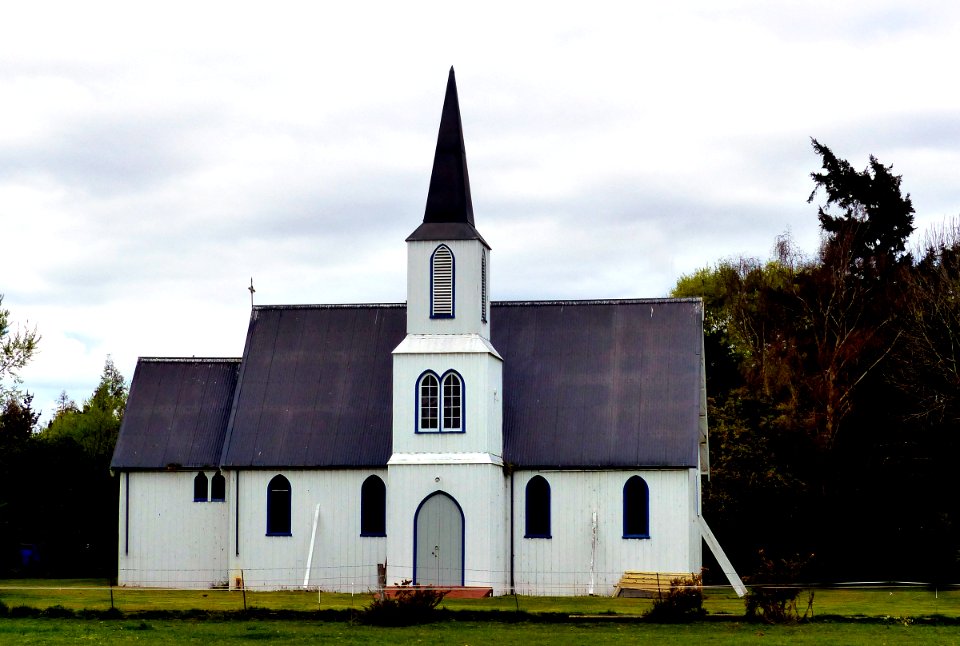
[(647, 584)]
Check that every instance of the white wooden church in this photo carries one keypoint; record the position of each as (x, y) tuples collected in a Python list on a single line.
[(540, 447)]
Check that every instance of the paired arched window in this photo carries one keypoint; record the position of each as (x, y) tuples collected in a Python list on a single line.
[(218, 488), (278, 506), (440, 403), (537, 508), (373, 507), (441, 283), (200, 487), (636, 508)]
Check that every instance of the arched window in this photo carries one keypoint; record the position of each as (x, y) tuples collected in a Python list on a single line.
[(441, 283), (452, 402), (440, 403), (373, 507), (428, 398), (218, 488), (636, 508), (538, 508), (278, 507), (200, 488)]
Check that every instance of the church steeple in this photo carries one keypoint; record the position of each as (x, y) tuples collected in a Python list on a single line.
[(449, 211)]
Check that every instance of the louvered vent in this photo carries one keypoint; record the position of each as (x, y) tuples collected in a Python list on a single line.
[(441, 297), (483, 286)]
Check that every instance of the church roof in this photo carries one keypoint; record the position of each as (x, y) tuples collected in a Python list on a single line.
[(586, 384), (176, 413), (449, 211)]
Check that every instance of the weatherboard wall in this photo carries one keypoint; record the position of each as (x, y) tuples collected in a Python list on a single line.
[(581, 557), (166, 539), (343, 560), (466, 289)]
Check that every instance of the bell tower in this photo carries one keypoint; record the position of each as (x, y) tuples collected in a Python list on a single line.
[(447, 383)]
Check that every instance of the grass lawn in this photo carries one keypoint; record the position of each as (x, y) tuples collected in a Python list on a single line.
[(896, 618), (95, 595), (54, 631)]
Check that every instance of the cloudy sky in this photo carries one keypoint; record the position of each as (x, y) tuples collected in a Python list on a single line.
[(156, 156)]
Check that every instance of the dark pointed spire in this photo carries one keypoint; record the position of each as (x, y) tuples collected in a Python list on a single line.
[(449, 212)]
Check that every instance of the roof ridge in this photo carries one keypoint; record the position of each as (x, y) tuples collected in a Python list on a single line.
[(189, 359)]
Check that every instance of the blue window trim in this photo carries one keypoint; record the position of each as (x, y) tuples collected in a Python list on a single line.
[(364, 502), (463, 404), (463, 535), (416, 403), (270, 502), (206, 485), (627, 511), (526, 509), (453, 284)]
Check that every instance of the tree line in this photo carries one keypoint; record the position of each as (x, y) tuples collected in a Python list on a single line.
[(834, 390), (58, 500)]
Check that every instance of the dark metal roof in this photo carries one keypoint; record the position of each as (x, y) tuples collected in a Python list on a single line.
[(449, 211), (315, 387), (600, 383), (176, 413), (586, 384)]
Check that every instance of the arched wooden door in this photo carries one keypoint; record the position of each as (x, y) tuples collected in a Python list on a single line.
[(438, 542)]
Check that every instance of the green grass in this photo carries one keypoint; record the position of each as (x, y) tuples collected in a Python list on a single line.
[(891, 610), (94, 594), (50, 631)]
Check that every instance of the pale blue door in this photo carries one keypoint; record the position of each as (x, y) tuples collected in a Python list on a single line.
[(438, 551)]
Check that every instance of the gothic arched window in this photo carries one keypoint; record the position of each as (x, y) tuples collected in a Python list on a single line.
[(636, 508), (278, 506), (537, 508), (441, 283), (200, 487), (373, 507)]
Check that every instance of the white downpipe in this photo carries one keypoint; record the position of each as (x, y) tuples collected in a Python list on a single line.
[(593, 554), (313, 542)]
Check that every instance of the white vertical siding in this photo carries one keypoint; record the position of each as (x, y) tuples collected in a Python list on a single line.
[(570, 564), (342, 559), (482, 407), (171, 541), (467, 289), (480, 490)]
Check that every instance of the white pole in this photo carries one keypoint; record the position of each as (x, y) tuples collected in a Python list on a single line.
[(313, 541), (593, 553)]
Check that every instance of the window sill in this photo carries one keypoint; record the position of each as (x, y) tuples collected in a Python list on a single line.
[(537, 536), (279, 533), (372, 535), (218, 500), (641, 536), (199, 500), (430, 431)]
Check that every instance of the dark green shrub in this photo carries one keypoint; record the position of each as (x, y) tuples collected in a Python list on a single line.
[(407, 606), (772, 595), (683, 601), (3, 609), (57, 612)]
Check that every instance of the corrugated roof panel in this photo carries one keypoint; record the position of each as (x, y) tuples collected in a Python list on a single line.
[(324, 399), (176, 413), (619, 379)]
